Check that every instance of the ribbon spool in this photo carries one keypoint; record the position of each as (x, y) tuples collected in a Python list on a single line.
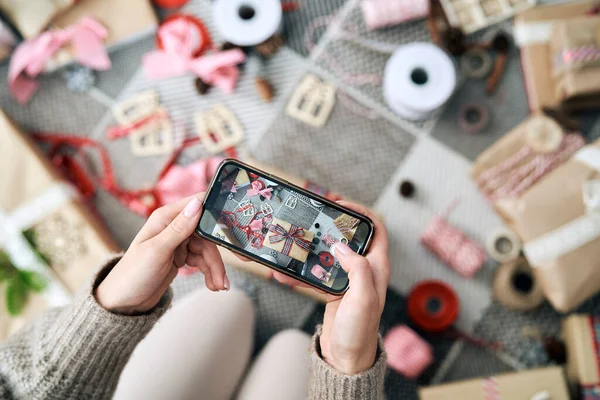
[(419, 79), (516, 288), (473, 118), (503, 246), (476, 63), (200, 37), (433, 306), (247, 22)]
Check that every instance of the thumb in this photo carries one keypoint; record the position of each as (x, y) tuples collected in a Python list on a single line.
[(357, 267), (181, 227)]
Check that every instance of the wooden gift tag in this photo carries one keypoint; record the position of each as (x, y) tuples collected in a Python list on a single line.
[(312, 101), (155, 137), (219, 129), (137, 107)]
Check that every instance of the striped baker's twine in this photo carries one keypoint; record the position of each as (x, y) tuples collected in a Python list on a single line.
[(578, 56), (490, 388)]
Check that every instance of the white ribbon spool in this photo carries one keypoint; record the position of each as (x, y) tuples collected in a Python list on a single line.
[(419, 79), (18, 249), (247, 22)]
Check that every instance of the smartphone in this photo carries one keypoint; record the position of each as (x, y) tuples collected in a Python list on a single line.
[(281, 225)]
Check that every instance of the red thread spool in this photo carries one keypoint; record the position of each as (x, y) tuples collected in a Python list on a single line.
[(433, 306), (205, 41), (326, 258)]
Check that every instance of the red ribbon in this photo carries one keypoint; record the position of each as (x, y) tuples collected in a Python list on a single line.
[(295, 235), (231, 220)]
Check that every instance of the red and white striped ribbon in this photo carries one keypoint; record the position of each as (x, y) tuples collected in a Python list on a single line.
[(490, 388)]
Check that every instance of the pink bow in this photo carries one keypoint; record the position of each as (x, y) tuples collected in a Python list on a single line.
[(179, 40), (183, 181), (261, 223), (256, 190), (30, 57)]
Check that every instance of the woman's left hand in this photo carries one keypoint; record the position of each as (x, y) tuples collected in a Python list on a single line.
[(165, 243)]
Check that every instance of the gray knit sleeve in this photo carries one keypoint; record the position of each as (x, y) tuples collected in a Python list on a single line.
[(328, 384), (74, 352)]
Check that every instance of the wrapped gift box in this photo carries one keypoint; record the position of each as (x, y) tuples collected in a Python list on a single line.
[(34, 198), (533, 31), (32, 16), (575, 52), (581, 334), (545, 383), (291, 240), (494, 171)]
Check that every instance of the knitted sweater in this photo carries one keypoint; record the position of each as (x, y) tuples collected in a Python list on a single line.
[(79, 352)]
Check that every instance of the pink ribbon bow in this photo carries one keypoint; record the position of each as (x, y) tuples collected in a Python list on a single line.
[(260, 223), (179, 40), (30, 57), (256, 189), (182, 181)]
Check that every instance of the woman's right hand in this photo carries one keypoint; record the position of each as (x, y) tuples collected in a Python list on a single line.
[(351, 323)]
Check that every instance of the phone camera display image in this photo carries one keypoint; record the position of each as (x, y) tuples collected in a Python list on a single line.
[(288, 230)]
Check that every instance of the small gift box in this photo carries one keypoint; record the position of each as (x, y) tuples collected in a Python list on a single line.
[(32, 16), (289, 239), (50, 243), (544, 383), (558, 220), (533, 32), (511, 166), (575, 51), (581, 334)]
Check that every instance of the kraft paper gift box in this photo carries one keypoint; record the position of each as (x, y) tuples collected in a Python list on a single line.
[(30, 17), (575, 52), (544, 383), (495, 169), (559, 221), (291, 240), (35, 198), (533, 32), (581, 333)]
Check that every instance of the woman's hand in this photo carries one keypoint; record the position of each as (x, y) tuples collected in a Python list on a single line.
[(165, 243), (351, 323)]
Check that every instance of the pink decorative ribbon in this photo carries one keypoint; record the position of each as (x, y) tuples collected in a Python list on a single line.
[(257, 189), (179, 41), (182, 181), (30, 57), (293, 236), (519, 172), (578, 56), (261, 223)]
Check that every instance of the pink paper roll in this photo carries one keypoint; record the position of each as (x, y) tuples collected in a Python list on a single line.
[(380, 13)]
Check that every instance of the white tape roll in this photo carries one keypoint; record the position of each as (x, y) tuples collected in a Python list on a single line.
[(247, 22), (419, 79), (503, 245)]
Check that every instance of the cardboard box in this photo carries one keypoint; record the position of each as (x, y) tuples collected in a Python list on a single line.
[(532, 31), (33, 196), (515, 386)]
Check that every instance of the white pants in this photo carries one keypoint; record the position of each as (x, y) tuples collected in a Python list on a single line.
[(201, 348)]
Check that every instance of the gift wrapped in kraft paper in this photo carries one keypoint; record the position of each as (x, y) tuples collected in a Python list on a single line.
[(44, 230), (575, 52), (581, 333), (524, 156), (533, 30), (559, 222), (536, 384)]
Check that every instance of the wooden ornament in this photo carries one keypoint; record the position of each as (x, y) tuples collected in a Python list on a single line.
[(219, 129), (153, 138), (137, 107), (312, 101)]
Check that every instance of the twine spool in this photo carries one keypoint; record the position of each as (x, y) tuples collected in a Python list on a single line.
[(380, 13), (473, 118), (503, 245), (516, 287), (407, 353), (433, 306)]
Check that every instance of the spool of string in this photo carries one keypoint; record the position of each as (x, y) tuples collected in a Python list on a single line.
[(452, 246), (407, 353), (516, 288), (433, 306), (381, 13)]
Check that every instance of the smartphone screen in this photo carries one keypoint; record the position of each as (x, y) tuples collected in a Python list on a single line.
[(281, 225)]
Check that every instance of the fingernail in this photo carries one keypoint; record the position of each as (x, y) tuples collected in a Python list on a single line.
[(192, 208), (226, 283), (340, 248)]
